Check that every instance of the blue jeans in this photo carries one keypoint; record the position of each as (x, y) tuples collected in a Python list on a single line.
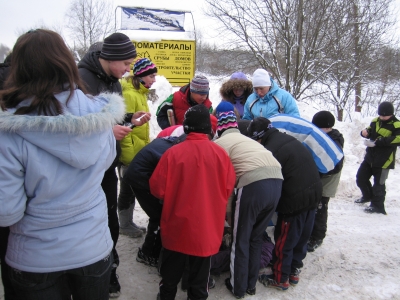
[(86, 283)]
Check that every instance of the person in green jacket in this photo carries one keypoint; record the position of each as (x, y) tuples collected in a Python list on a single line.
[(135, 90)]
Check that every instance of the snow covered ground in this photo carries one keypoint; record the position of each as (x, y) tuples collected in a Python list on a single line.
[(359, 259)]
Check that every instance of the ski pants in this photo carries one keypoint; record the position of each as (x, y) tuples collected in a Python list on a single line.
[(253, 210), (376, 192), (153, 208), (171, 270), (291, 236)]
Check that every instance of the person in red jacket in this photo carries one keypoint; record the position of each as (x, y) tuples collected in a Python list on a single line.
[(193, 180), (172, 110)]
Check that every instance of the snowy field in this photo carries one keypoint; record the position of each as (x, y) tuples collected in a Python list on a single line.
[(359, 259)]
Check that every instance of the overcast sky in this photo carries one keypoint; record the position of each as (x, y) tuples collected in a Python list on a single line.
[(18, 16)]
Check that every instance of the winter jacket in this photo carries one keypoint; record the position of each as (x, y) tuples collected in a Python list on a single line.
[(180, 102), (386, 135), (301, 188), (97, 81), (143, 164), (50, 193), (268, 106), (135, 100), (330, 181), (337, 137), (4, 70), (251, 160), (194, 179), (227, 94)]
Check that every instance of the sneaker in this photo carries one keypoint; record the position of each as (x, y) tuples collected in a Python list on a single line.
[(294, 276), (114, 288), (141, 228), (373, 209), (362, 200), (230, 288), (251, 292), (313, 244), (268, 282), (147, 260), (211, 283)]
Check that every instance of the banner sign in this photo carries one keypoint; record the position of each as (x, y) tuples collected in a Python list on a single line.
[(175, 60), (151, 19)]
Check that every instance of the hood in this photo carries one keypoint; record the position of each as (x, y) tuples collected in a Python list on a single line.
[(91, 62), (272, 91), (76, 140), (226, 89)]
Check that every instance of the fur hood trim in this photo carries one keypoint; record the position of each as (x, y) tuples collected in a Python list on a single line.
[(226, 89), (112, 113)]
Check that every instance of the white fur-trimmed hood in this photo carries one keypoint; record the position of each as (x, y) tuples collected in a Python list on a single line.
[(79, 137), (112, 113)]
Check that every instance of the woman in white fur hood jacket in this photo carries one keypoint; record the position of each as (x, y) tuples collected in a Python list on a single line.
[(55, 145)]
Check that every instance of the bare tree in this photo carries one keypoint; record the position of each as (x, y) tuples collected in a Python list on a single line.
[(89, 21), (356, 40), (287, 37)]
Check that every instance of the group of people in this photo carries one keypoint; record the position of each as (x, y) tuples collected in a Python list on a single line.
[(67, 128)]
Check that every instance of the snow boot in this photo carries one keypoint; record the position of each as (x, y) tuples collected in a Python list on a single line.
[(125, 226)]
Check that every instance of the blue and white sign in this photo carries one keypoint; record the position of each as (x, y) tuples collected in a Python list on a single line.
[(152, 19)]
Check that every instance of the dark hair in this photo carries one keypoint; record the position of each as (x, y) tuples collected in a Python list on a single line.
[(135, 81), (42, 66)]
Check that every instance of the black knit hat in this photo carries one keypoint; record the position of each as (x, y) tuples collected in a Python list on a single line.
[(197, 119), (117, 46), (258, 127), (323, 119), (385, 109)]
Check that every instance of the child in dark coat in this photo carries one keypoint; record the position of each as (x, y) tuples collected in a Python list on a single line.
[(382, 139), (330, 181)]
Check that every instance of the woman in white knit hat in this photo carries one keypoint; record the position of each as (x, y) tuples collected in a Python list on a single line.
[(268, 98)]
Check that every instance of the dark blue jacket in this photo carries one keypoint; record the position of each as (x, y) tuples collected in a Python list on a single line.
[(143, 164)]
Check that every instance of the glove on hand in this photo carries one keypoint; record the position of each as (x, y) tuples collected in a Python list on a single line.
[(369, 143)]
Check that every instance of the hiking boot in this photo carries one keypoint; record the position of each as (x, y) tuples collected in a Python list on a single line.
[(362, 200), (114, 288), (268, 282), (313, 244), (373, 209), (294, 277), (251, 292), (147, 260), (230, 288), (143, 229), (211, 283)]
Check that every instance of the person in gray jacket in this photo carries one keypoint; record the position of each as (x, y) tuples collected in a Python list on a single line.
[(56, 144)]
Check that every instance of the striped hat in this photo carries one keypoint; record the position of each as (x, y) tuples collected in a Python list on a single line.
[(117, 46), (144, 67), (226, 117), (200, 85)]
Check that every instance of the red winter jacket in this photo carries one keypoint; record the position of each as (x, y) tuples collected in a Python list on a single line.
[(194, 179)]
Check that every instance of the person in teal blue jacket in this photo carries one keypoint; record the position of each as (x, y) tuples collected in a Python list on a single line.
[(268, 98)]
